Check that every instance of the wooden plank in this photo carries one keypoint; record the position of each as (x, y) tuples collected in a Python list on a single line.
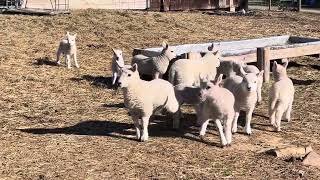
[(144, 52), (260, 56), (263, 62), (247, 58), (266, 64), (294, 52)]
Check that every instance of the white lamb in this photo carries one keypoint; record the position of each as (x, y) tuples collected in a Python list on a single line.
[(189, 72), (143, 98), (218, 105), (117, 64), (155, 66), (230, 68), (281, 95), (244, 89), (68, 47)]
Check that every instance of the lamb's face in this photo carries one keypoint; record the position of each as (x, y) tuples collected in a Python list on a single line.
[(71, 39), (128, 75), (213, 57), (210, 88), (169, 51), (279, 70), (206, 89), (117, 55), (250, 82)]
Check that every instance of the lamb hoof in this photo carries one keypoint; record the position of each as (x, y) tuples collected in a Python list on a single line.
[(249, 134), (202, 137), (58, 63), (143, 139)]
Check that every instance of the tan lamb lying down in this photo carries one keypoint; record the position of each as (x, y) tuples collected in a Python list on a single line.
[(217, 105), (244, 89), (143, 98), (68, 48), (188, 72), (155, 66), (281, 95)]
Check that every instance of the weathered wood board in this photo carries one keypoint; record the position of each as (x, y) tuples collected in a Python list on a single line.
[(277, 47)]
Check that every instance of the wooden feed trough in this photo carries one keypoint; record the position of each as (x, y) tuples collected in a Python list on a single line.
[(261, 51)]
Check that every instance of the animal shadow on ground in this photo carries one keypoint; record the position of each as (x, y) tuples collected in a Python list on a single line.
[(44, 61), (90, 127), (302, 82), (99, 81), (317, 67), (294, 64), (119, 105), (159, 127)]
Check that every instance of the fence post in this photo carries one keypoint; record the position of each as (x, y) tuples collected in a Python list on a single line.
[(299, 5), (263, 62), (270, 5)]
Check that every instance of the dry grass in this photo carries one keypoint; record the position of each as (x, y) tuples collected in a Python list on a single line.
[(67, 124)]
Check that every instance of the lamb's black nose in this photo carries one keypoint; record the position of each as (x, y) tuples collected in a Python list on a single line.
[(249, 88), (119, 84)]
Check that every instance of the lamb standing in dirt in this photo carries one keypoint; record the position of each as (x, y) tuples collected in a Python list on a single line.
[(143, 98), (68, 47), (281, 95), (117, 64), (244, 89), (155, 66), (217, 104), (185, 71)]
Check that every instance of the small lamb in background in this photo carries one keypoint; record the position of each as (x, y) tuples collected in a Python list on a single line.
[(244, 89), (68, 47), (185, 71), (155, 66), (143, 98), (117, 64), (281, 95), (218, 105)]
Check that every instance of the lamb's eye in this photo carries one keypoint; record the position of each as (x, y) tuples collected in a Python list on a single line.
[(129, 75), (208, 87), (172, 51), (255, 81)]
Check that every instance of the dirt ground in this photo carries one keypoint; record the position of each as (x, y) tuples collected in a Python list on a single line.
[(68, 124)]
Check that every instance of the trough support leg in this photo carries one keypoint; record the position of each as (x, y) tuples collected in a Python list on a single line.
[(263, 61)]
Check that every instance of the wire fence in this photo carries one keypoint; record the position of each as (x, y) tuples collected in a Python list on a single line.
[(286, 3)]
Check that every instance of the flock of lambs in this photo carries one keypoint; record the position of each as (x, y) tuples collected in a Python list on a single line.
[(197, 81)]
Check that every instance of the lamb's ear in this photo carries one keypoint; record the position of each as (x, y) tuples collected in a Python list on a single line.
[(219, 79), (75, 35), (210, 48), (260, 74), (243, 73), (274, 67), (68, 33), (114, 51), (285, 65), (134, 67), (216, 53), (165, 45)]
